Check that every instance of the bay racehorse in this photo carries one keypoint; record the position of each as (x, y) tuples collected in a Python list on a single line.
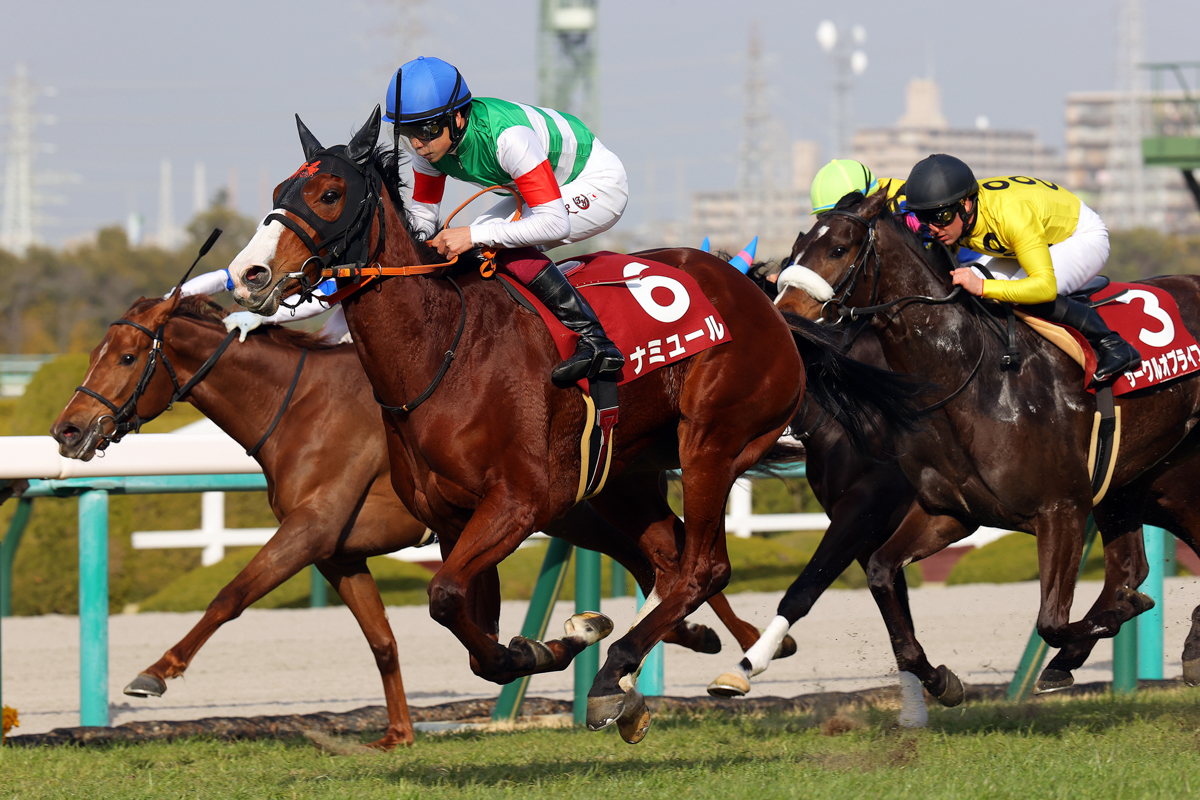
[(304, 407), (1006, 448), (491, 453)]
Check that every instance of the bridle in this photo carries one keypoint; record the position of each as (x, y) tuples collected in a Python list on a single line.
[(124, 418)]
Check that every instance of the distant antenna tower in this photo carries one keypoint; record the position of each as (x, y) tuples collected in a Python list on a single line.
[(168, 235), (568, 75), (754, 177), (848, 61), (20, 221), (1123, 198)]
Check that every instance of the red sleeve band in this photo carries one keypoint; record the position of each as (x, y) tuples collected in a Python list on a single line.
[(538, 186), (428, 189)]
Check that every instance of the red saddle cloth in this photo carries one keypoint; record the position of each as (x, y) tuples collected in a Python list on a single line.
[(1148, 318), (655, 314)]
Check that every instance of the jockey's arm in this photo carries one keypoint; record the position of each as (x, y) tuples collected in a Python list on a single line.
[(428, 187), (209, 283), (521, 155), (1026, 235)]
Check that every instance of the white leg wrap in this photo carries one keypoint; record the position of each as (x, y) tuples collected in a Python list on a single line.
[(761, 652), (912, 702)]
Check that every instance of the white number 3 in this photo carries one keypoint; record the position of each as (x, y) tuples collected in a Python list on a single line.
[(1153, 338)]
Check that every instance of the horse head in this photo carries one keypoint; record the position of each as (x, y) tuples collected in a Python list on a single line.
[(837, 263), (325, 214), (123, 386)]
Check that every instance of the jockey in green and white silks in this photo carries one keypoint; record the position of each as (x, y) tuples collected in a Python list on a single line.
[(573, 188)]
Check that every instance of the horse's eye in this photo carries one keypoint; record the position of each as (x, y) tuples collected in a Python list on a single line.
[(330, 197), (128, 360), (837, 252)]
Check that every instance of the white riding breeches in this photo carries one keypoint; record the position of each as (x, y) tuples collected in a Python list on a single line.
[(595, 200), (1076, 259)]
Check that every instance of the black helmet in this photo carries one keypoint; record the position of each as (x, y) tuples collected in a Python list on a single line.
[(939, 181)]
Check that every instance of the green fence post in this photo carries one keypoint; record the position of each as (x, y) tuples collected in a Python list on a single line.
[(650, 681), (537, 619), (587, 598), (318, 593), (618, 587), (1150, 624), (8, 552), (93, 608), (1025, 679), (1125, 658)]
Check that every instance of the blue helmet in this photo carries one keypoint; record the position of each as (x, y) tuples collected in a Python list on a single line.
[(429, 88)]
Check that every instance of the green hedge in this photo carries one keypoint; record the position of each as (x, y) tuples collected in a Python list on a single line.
[(1010, 559), (46, 569)]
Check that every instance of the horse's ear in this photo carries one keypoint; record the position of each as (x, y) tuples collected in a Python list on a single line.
[(307, 140), (363, 144)]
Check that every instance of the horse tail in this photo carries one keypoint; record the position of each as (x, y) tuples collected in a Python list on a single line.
[(782, 455), (872, 405)]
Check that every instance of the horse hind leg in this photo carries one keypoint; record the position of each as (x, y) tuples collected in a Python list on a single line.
[(357, 588)]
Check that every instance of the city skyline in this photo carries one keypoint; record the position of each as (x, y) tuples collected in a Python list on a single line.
[(138, 83)]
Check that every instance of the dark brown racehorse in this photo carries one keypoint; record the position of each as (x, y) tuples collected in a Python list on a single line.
[(333, 517), (1009, 447), (492, 454)]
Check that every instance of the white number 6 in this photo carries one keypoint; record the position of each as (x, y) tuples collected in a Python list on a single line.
[(642, 290)]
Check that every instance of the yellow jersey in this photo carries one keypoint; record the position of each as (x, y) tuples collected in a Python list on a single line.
[(1019, 217), (893, 189)]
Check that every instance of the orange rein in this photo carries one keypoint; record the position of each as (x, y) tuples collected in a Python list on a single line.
[(487, 268)]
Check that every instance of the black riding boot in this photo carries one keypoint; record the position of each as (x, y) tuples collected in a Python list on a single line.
[(594, 353), (1114, 355)]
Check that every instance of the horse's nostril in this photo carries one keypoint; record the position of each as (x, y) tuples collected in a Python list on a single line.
[(256, 277), (67, 434)]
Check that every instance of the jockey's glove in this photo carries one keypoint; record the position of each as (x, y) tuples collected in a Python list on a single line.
[(246, 320)]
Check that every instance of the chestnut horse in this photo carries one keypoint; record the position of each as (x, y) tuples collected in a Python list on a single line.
[(336, 516), (1006, 448), (489, 452)]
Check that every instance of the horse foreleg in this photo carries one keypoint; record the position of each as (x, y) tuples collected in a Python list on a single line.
[(860, 521), (499, 524), (357, 588), (1123, 572), (301, 539), (1060, 550), (918, 536)]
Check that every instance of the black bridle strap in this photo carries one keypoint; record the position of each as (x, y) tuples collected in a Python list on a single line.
[(199, 375), (253, 451), (423, 396)]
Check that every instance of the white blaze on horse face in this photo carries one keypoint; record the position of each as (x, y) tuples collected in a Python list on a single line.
[(260, 252), (804, 279)]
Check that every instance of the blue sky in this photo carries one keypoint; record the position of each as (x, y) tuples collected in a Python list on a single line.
[(218, 82)]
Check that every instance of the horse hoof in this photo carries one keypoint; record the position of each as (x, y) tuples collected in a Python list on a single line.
[(730, 684), (954, 693), (532, 649), (604, 711), (1053, 680), (634, 721), (786, 648), (1191, 671), (1141, 602), (146, 685), (591, 626), (711, 642)]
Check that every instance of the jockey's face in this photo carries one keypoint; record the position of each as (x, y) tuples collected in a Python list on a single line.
[(433, 150), (952, 231)]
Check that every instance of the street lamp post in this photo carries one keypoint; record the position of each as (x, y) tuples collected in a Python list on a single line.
[(848, 61)]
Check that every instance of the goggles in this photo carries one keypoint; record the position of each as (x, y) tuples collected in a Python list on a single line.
[(424, 131), (937, 216)]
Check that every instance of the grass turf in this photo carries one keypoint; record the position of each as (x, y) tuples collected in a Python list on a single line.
[(1100, 747)]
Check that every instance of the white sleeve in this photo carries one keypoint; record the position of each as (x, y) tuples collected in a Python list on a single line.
[(424, 216), (521, 153), (209, 283)]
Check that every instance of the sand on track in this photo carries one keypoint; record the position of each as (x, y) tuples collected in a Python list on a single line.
[(307, 660)]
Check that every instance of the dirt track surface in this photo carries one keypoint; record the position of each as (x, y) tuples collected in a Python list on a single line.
[(295, 662)]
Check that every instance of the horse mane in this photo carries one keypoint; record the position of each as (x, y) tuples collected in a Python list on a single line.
[(384, 160), (203, 309), (937, 256)]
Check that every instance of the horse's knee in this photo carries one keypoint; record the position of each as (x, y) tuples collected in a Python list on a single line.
[(719, 578), (881, 576), (386, 656)]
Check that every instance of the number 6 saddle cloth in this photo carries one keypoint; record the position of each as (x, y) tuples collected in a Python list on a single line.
[(655, 314)]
